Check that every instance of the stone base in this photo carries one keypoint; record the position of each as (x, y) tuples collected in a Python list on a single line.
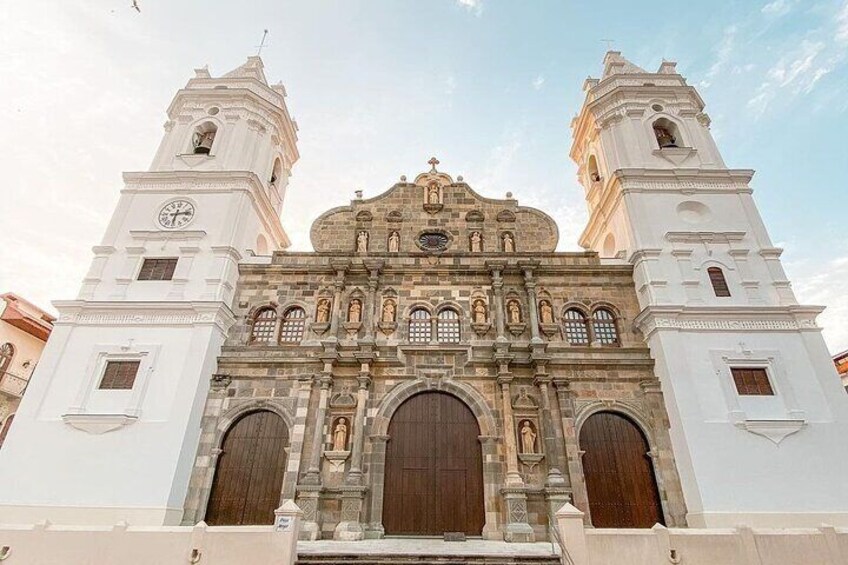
[(349, 531), (375, 531), (519, 533), (309, 531)]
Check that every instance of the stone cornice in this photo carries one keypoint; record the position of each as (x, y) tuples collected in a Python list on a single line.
[(166, 314), (728, 318)]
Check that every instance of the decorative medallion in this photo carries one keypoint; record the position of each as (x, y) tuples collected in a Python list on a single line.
[(433, 241), (505, 216)]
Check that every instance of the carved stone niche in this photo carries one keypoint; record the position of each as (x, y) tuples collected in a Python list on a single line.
[(433, 208), (394, 217), (549, 330), (339, 447), (352, 329), (364, 216), (319, 328), (516, 329), (480, 315), (474, 216)]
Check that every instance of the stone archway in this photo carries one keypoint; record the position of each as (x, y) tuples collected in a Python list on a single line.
[(488, 438)]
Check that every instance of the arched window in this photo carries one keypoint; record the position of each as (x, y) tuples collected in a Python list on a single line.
[(576, 328), (4, 430), (275, 173), (447, 326), (294, 322), (666, 133), (594, 173), (203, 138), (7, 351), (718, 281), (603, 326), (420, 328), (264, 325)]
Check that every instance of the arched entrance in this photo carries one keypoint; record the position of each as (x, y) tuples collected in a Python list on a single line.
[(434, 468), (249, 475), (619, 474)]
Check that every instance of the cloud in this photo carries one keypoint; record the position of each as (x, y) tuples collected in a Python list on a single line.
[(841, 35), (473, 6), (826, 286), (777, 8), (724, 51), (538, 82), (796, 72)]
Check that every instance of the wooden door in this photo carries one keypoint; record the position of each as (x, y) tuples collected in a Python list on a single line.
[(434, 468), (619, 474), (249, 476)]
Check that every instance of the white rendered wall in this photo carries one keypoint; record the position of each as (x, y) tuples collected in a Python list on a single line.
[(765, 460)]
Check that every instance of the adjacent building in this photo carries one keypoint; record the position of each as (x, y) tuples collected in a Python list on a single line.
[(24, 329)]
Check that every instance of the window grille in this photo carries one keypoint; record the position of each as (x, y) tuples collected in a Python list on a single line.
[(420, 329), (294, 322), (576, 328), (447, 327), (603, 324)]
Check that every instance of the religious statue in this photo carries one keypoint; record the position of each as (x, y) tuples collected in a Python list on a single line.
[(514, 312), (476, 242), (340, 435), (388, 311), (528, 438), (547, 312), (354, 313), (323, 313), (394, 242), (433, 194), (479, 312), (362, 242), (508, 243)]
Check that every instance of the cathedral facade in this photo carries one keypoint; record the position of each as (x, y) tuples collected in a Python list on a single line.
[(434, 366)]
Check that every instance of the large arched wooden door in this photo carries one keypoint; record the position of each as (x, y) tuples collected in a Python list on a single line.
[(434, 468), (249, 475), (619, 474)]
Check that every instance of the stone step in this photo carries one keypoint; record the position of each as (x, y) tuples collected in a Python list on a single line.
[(409, 559)]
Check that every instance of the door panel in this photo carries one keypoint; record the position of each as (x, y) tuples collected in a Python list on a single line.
[(249, 475), (434, 468), (619, 473)]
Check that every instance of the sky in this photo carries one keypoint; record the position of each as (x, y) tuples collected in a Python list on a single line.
[(378, 87)]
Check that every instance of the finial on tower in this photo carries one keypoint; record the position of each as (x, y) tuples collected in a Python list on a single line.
[(262, 43), (433, 162)]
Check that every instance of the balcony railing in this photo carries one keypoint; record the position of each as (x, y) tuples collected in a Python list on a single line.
[(12, 384)]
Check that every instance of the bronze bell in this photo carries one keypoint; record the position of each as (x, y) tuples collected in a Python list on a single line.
[(664, 138), (203, 142)]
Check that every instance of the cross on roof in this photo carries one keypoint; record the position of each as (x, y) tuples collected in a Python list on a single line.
[(433, 162)]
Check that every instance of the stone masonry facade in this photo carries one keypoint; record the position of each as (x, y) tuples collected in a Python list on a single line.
[(431, 245)]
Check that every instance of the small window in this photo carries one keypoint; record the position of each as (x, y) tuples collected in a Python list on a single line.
[(752, 382), (447, 326), (719, 282), (119, 375), (294, 322), (264, 325), (603, 324), (420, 329), (576, 329), (157, 269)]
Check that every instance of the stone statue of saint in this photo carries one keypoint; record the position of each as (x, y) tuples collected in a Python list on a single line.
[(354, 313), (476, 242), (433, 194), (323, 314), (528, 438), (547, 312), (362, 242), (479, 312), (508, 243), (340, 435), (388, 311), (394, 242), (514, 312)]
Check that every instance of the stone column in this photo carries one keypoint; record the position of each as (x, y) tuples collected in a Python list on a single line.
[(338, 285), (497, 287), (532, 304), (572, 448), (354, 477), (377, 472), (554, 452), (513, 477), (371, 317), (313, 472)]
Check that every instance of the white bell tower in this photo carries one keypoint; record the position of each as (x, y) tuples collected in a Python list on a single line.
[(109, 426), (758, 417)]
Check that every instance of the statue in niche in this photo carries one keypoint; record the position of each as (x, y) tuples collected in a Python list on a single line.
[(479, 312), (394, 242), (546, 312), (433, 194), (476, 242), (508, 243), (354, 312), (323, 311), (514, 312), (340, 435), (362, 242), (389, 310), (528, 438)]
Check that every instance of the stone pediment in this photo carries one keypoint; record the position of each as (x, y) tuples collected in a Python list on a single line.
[(398, 220)]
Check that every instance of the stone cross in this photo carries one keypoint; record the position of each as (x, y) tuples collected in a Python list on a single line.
[(433, 162)]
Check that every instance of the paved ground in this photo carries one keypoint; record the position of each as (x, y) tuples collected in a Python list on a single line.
[(425, 546)]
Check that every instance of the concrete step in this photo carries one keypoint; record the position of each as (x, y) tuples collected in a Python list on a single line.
[(408, 559)]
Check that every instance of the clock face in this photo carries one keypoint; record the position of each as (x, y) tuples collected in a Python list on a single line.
[(176, 214)]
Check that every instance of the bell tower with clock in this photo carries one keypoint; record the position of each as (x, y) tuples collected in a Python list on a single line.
[(110, 424)]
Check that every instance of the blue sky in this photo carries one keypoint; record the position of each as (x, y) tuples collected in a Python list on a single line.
[(378, 87)]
